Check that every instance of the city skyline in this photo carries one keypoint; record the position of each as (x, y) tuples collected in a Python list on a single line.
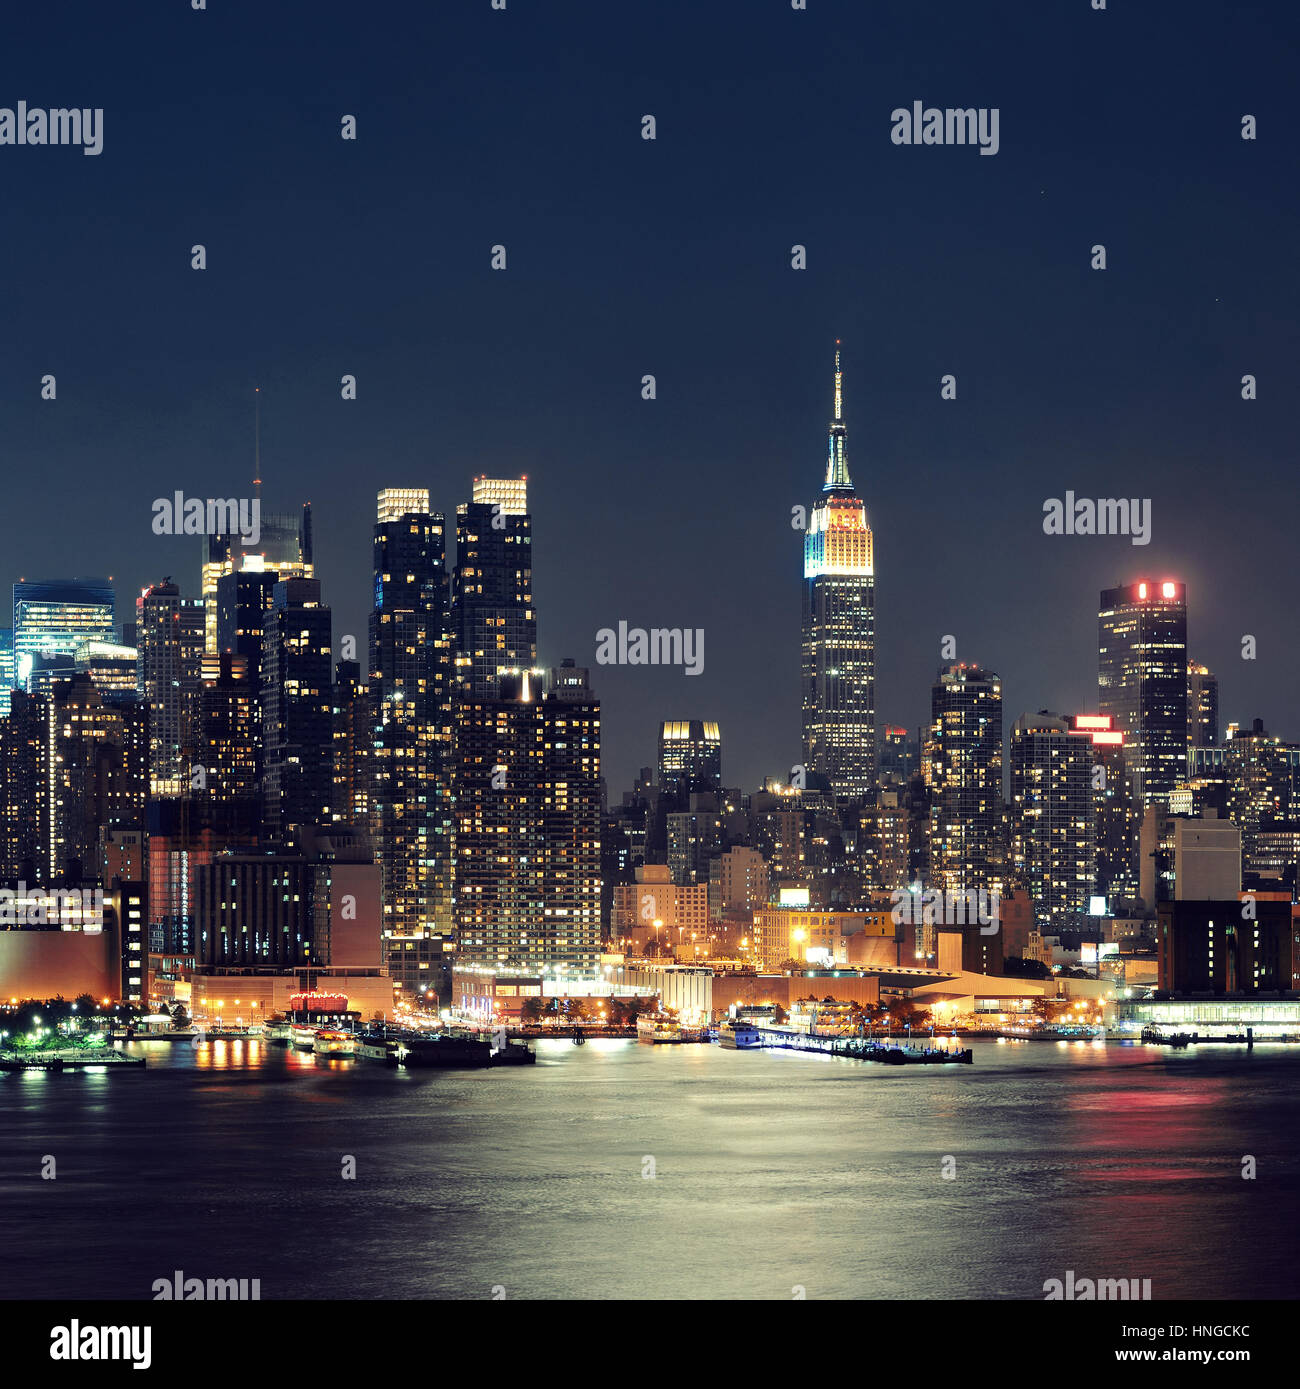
[(277, 530), (662, 618), (925, 262)]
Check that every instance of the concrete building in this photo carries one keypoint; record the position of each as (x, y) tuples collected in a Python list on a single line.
[(654, 908)]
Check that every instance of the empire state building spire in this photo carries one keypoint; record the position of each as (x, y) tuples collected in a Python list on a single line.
[(837, 462)]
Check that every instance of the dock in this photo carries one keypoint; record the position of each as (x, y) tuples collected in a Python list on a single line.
[(66, 1059)]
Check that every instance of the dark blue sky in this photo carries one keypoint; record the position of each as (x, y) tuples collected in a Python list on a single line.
[(672, 257)]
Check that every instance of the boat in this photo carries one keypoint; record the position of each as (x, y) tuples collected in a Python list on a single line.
[(303, 1036), (376, 1048), (1055, 1032), (445, 1049), (658, 1027), (739, 1036), (328, 1042)]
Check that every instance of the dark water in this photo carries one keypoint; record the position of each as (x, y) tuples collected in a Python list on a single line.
[(772, 1171)]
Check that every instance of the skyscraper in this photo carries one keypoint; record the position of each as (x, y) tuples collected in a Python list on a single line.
[(353, 743), (24, 804), (964, 775), (492, 600), (410, 701), (228, 744), (690, 758), (8, 673), (1142, 681), (839, 627), (297, 709), (1116, 819), (95, 775), (528, 802), (284, 547), (169, 635), (1202, 707), (1053, 818), (53, 617)]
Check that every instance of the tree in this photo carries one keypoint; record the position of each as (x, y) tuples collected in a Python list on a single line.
[(531, 1010), (180, 1018)]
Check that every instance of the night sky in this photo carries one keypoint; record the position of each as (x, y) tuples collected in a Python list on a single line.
[(672, 257)]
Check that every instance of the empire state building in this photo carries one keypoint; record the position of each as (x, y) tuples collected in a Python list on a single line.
[(839, 628)]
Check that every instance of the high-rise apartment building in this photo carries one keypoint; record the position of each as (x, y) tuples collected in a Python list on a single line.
[(494, 620), (226, 787), (410, 700), (1116, 820), (964, 776), (353, 735), (24, 802), (169, 655), (96, 775), (839, 628), (297, 709), (1053, 818), (528, 804)]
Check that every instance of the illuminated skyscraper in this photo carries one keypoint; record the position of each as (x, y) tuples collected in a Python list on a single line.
[(297, 710), (690, 758), (8, 674), (1053, 818), (964, 774), (169, 633), (113, 669), (229, 740), (839, 628), (96, 774), (284, 547), (1142, 681), (1116, 819), (53, 618), (528, 802), (492, 599), (1202, 707), (410, 703)]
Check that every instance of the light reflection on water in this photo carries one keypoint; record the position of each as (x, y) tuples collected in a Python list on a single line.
[(771, 1170)]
